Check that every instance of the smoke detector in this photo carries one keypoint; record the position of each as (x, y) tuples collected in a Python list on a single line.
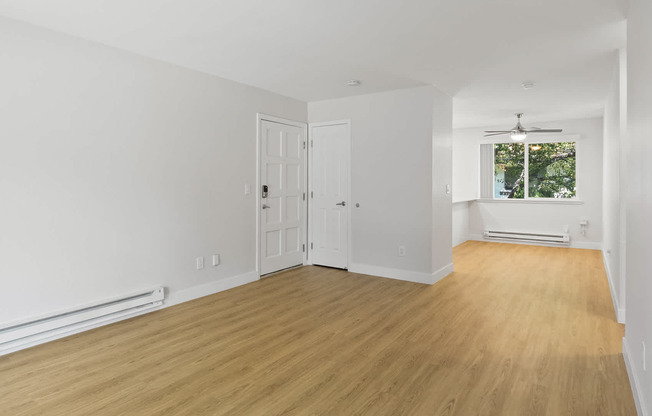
[(528, 85)]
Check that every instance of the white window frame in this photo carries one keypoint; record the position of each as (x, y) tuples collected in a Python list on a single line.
[(532, 139)]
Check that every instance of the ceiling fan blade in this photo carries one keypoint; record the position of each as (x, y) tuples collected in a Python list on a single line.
[(544, 131), (496, 133)]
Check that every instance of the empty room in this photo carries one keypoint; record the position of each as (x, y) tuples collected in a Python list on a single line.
[(325, 208)]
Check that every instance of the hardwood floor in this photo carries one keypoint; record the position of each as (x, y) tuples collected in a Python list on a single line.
[(516, 330)]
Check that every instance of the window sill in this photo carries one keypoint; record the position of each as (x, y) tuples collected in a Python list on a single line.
[(459, 201), (532, 201)]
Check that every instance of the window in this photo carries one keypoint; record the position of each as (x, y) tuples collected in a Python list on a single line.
[(509, 170), (534, 170)]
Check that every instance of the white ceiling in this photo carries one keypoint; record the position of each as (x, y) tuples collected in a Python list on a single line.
[(478, 51)]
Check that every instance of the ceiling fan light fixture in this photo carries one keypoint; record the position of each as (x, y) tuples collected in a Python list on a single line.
[(517, 136), (518, 133)]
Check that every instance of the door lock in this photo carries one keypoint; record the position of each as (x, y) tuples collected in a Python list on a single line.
[(265, 191)]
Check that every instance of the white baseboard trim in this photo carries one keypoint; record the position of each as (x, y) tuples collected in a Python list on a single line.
[(443, 272), (589, 245), (461, 241), (399, 274), (633, 380), (620, 312), (210, 288), (172, 299)]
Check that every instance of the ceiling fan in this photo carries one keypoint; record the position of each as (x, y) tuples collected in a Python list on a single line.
[(519, 133)]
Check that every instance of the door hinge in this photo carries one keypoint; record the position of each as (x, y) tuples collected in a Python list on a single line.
[(304, 196), (312, 144), (304, 145), (312, 195), (304, 248), (311, 248)]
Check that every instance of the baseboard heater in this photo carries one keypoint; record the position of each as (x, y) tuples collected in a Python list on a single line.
[(540, 238), (22, 334)]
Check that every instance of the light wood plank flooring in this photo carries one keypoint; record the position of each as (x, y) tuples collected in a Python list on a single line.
[(516, 330)]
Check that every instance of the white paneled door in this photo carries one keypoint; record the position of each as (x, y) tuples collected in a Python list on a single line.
[(282, 151), (329, 179)]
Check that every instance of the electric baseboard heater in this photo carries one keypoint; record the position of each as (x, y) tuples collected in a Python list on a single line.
[(562, 239), (17, 335)]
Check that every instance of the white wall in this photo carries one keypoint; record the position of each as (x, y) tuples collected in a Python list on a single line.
[(460, 222), (543, 217), (391, 177), (116, 171), (466, 176), (612, 193), (623, 179), (442, 174), (466, 164), (639, 202)]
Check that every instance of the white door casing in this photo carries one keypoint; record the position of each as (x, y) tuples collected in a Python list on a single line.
[(282, 211), (330, 196)]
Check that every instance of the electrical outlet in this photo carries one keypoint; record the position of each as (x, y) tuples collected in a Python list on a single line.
[(566, 228), (200, 262), (401, 251), (216, 260)]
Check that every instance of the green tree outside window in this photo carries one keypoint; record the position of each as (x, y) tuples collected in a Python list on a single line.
[(551, 171)]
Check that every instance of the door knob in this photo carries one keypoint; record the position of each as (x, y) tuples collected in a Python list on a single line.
[(265, 206), (342, 204)]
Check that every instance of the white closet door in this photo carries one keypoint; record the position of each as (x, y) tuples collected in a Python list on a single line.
[(329, 212)]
